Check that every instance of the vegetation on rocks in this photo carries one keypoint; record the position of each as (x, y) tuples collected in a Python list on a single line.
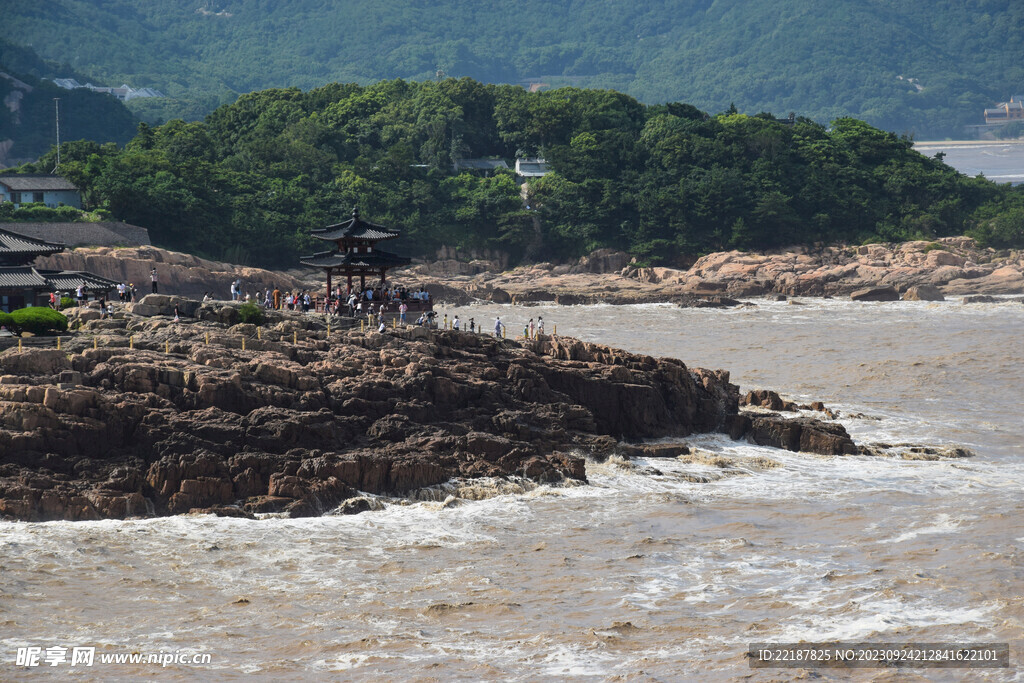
[(38, 320), (251, 314)]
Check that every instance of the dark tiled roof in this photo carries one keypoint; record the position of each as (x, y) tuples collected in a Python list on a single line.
[(28, 183), (23, 247), (20, 277), (103, 233), (372, 261), (68, 280), (355, 229)]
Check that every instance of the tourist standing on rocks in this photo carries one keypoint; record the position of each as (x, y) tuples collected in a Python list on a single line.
[(152, 276), (53, 301), (80, 295), (456, 324), (498, 326), (234, 292), (177, 313), (540, 326), (533, 329), (103, 307), (472, 325), (402, 309)]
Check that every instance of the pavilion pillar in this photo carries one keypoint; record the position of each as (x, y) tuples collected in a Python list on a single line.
[(362, 283), (382, 271), (349, 292), (328, 300)]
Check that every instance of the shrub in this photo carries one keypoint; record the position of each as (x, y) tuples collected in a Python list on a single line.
[(67, 302), (251, 314), (5, 320), (39, 320)]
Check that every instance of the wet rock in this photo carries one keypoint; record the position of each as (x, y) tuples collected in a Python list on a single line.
[(979, 299), (923, 293), (765, 398), (875, 294), (802, 434), (300, 428)]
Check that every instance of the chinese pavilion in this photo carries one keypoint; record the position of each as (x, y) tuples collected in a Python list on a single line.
[(356, 254)]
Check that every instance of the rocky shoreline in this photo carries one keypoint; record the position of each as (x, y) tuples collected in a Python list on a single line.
[(139, 415), (950, 266)]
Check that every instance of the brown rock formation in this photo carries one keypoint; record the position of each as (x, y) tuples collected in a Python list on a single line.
[(951, 265), (156, 420)]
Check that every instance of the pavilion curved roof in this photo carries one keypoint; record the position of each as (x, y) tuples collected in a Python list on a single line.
[(374, 260), (355, 228)]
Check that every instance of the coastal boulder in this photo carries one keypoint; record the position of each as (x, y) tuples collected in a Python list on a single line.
[(923, 293), (875, 294)]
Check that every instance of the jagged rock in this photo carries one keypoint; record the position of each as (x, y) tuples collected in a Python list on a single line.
[(765, 398), (979, 299), (177, 424), (875, 294), (802, 434), (923, 293)]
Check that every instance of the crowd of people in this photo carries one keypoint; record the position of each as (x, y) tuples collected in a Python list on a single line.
[(372, 303)]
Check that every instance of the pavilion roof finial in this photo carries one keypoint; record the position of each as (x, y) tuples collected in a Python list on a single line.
[(355, 212)]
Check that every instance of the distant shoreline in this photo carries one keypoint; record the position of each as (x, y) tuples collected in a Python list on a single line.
[(957, 143)]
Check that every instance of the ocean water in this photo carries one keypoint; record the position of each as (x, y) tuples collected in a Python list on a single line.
[(1000, 162), (657, 570)]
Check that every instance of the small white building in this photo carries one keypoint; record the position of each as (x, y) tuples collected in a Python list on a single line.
[(50, 190), (532, 168)]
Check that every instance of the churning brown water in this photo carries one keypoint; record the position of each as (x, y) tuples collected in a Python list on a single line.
[(658, 570)]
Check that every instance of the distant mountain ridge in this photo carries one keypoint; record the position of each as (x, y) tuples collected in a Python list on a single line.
[(28, 121), (921, 68)]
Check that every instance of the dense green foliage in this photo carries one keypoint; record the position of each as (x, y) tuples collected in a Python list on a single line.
[(902, 65), (5, 320), (39, 320), (251, 314), (31, 125), (665, 182), (40, 213)]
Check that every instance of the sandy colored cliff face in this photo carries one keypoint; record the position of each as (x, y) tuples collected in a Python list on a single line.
[(178, 273), (953, 265)]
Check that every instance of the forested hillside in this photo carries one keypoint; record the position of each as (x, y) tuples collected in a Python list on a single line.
[(666, 182), (925, 68), (27, 117)]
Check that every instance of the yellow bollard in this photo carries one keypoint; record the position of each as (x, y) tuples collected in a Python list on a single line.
[(556, 329), (167, 346), (361, 323), (207, 338), (295, 337), (94, 342), (131, 342), (243, 343), (58, 343), (259, 333), (502, 331), (394, 323), (19, 344), (328, 329)]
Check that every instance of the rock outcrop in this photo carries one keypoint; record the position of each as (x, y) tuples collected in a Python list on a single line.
[(139, 415), (947, 266)]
